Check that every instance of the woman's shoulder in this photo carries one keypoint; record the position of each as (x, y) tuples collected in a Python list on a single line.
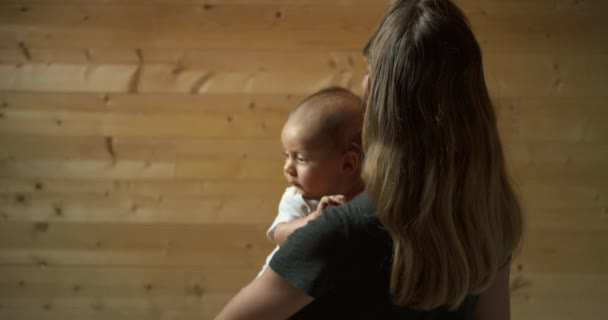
[(311, 256), (357, 213), (339, 223)]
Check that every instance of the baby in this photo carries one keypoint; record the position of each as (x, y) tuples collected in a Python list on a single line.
[(322, 147)]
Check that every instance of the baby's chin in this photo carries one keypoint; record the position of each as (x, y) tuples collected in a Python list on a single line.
[(306, 195), (309, 196)]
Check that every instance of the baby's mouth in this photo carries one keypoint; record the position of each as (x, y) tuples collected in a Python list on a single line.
[(295, 184)]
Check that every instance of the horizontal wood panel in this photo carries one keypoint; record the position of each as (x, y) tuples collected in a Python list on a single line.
[(107, 155), (556, 153), (567, 218), (240, 246), (140, 125), (562, 74), (507, 108), (248, 169), (225, 37), (172, 18), (77, 169), (553, 119), (277, 38), (557, 296), (105, 258), (363, 19), (180, 291), (571, 196), (90, 282), (205, 306), (49, 312), (259, 209), (548, 124), (91, 169), (76, 289), (111, 78), (163, 79), (239, 169), (205, 104), (466, 4), (582, 301), (592, 176), (567, 250), (145, 188), (567, 75), (535, 195), (129, 237), (176, 61), (567, 206), (33, 147), (73, 282), (542, 75), (549, 213), (202, 245)]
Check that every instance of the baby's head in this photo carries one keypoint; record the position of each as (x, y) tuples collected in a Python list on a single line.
[(322, 144)]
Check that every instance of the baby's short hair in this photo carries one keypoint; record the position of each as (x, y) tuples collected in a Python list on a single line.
[(335, 114)]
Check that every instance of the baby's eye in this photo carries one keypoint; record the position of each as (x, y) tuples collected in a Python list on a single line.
[(302, 160)]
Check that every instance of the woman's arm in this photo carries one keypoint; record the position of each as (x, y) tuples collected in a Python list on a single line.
[(494, 303), (301, 268), (266, 297)]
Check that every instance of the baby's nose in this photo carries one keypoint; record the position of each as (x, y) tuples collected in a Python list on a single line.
[(289, 168)]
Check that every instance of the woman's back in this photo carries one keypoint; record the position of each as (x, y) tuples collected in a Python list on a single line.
[(343, 260), (434, 161)]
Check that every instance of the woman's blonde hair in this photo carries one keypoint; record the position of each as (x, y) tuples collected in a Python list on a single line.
[(434, 162)]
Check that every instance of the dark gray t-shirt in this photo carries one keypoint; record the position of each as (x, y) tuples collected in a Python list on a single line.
[(343, 260)]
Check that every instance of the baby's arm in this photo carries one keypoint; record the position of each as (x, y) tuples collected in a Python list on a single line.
[(284, 229)]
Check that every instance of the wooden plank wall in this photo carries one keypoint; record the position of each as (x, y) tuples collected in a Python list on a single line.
[(140, 162)]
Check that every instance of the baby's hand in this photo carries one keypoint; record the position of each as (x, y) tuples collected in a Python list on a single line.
[(326, 201)]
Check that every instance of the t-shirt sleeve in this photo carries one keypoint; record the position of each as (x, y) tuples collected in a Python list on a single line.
[(290, 208), (312, 257)]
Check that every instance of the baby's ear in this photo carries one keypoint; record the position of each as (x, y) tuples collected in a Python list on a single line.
[(351, 162)]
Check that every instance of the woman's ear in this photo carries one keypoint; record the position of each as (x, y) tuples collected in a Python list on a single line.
[(351, 162)]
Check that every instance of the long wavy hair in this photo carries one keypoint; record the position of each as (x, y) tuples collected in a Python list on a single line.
[(434, 161)]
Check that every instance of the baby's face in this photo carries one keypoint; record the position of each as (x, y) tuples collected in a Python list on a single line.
[(314, 169)]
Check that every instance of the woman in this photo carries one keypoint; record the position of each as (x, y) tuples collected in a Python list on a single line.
[(433, 235)]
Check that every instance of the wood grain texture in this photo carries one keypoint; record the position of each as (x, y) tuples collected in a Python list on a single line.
[(140, 160)]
